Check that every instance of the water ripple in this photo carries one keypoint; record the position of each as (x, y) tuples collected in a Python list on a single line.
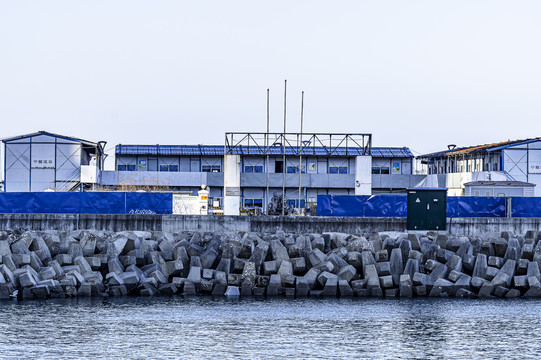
[(210, 328)]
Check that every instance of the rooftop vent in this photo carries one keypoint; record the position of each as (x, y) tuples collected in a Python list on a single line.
[(451, 146)]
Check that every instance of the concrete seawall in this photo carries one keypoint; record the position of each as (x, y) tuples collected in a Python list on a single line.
[(175, 223)]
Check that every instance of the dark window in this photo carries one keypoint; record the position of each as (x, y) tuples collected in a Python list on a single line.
[(173, 168), (121, 167), (131, 167), (333, 170), (385, 170), (248, 169), (258, 169), (206, 168), (291, 169), (342, 170), (216, 168), (295, 203), (248, 203), (278, 166), (376, 170), (164, 168)]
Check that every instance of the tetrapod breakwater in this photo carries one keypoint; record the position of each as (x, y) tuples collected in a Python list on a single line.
[(92, 263)]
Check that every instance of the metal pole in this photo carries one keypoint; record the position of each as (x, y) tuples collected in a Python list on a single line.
[(300, 151), (284, 152), (267, 150)]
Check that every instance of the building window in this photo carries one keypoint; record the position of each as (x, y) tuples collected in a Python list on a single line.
[(251, 203), (278, 166), (211, 168), (258, 169), (295, 203), (291, 169), (130, 167), (121, 167), (476, 193), (169, 168), (385, 170), (248, 169), (375, 170), (487, 193)]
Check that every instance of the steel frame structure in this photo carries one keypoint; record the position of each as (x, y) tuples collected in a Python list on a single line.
[(296, 144)]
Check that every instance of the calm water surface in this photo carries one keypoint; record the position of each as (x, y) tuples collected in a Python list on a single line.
[(208, 328)]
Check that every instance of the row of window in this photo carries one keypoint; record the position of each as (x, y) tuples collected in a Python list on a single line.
[(172, 168), (380, 170), (252, 203)]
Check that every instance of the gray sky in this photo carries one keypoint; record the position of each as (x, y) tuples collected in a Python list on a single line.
[(421, 74)]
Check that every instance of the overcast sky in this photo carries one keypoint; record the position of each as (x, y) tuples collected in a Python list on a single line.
[(421, 74)]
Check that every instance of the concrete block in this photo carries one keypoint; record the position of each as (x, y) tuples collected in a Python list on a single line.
[(275, 285), (224, 266), (299, 265), (238, 265), (406, 286), (312, 275), (83, 264), (347, 273), (21, 259), (513, 293), (382, 256), (234, 279), (219, 289), (130, 277), (325, 276), (390, 293), (331, 287), (115, 266), (316, 256), (495, 261), (386, 282), (270, 267), (383, 268), (189, 288), (279, 252), (491, 273), (420, 290), (397, 267), (301, 287)]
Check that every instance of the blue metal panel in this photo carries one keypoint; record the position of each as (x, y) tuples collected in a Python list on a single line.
[(526, 207), (478, 206), (386, 206), (346, 205), (202, 150), (17, 203), (324, 207), (149, 203), (102, 203), (56, 203), (452, 206)]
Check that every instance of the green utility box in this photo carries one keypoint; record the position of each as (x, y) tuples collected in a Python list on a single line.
[(427, 209)]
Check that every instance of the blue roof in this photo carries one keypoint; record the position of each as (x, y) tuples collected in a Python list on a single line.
[(218, 150)]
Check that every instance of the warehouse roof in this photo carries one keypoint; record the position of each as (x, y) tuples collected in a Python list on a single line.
[(46, 133), (479, 148), (218, 150)]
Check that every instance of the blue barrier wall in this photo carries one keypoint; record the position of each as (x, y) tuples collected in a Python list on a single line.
[(526, 207), (396, 206), (86, 203)]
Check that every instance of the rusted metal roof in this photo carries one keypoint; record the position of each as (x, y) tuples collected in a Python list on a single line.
[(477, 148)]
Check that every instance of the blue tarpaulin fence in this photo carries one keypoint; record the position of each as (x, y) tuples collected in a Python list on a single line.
[(86, 203), (397, 206)]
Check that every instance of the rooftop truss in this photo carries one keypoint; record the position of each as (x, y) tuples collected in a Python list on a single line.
[(295, 144)]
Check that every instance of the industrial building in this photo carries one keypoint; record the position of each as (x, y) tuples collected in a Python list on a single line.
[(508, 161), (314, 163), (44, 161), (246, 171)]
